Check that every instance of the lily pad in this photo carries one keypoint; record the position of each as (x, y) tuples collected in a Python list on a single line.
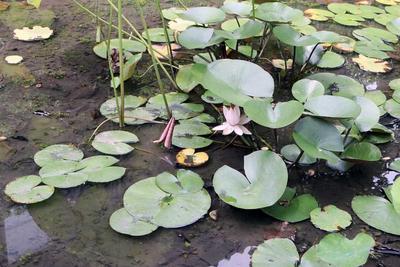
[(172, 13), (146, 201), (68, 180), (185, 181), (109, 108), (393, 108), (242, 9), (288, 35), (318, 138), (97, 162), (330, 218), (394, 84), (395, 165), (189, 158), (59, 168), (276, 252), (54, 153), (369, 115), (203, 15), (291, 153), (372, 64), (185, 79), (362, 151), (157, 35), (318, 14), (292, 210), (331, 60), (348, 19), (123, 222), (274, 116), (114, 142), (27, 190), (127, 45), (340, 251), (253, 191), (332, 107), (104, 174), (305, 89), (200, 38), (277, 12), (188, 135), (384, 19), (376, 96), (394, 26)]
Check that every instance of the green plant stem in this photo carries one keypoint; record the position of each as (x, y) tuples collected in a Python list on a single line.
[(309, 58), (153, 57), (121, 66), (110, 62), (171, 57), (253, 8), (182, 4), (297, 160)]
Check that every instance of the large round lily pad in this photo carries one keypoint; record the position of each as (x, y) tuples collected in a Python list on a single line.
[(276, 252), (331, 60), (114, 142), (332, 107), (104, 174), (264, 183), (68, 180), (330, 218), (27, 190), (146, 201), (57, 153), (157, 35), (123, 222), (288, 35), (272, 115), (203, 15), (277, 12)]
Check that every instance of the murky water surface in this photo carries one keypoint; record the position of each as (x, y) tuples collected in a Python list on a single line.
[(71, 228)]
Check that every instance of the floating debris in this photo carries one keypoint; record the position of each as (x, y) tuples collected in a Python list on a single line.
[(14, 59), (36, 33)]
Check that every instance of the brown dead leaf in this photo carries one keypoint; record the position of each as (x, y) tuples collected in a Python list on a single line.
[(4, 6), (280, 63), (372, 64), (162, 51)]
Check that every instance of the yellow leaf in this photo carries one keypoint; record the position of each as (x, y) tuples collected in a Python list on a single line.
[(372, 64), (188, 158)]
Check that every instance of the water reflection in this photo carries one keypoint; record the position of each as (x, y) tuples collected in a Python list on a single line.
[(22, 235), (239, 259)]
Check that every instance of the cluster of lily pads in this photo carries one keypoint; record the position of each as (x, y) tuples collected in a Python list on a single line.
[(62, 166)]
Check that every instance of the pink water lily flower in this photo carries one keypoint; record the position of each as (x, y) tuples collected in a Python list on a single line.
[(234, 122)]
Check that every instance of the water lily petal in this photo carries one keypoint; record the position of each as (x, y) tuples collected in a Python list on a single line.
[(244, 129), (235, 115), (238, 130), (220, 127), (228, 130), (244, 120)]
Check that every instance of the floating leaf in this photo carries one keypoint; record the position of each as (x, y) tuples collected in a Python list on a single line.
[(332, 107), (292, 209), (55, 153), (114, 142), (271, 115), (384, 19), (345, 47), (369, 49), (253, 191), (305, 89), (375, 35), (200, 38), (109, 108), (318, 14), (97, 162), (236, 80), (13, 59), (127, 45), (276, 252), (292, 152), (331, 60), (376, 96), (395, 195), (185, 79), (146, 201), (330, 218), (394, 84), (372, 64), (123, 222), (241, 9), (394, 26), (277, 12), (68, 180), (59, 168), (191, 141), (393, 108), (348, 19), (157, 35), (104, 174), (318, 138), (342, 8), (37, 33), (203, 15), (179, 25), (185, 182), (172, 13), (362, 151), (27, 190), (288, 35), (395, 165), (311, 259), (188, 158), (211, 98), (369, 115), (340, 251)]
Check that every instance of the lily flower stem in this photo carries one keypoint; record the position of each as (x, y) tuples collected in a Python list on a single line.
[(153, 58), (237, 21), (245, 141), (110, 62), (210, 54), (182, 4), (296, 161), (253, 8), (164, 25), (309, 58), (282, 55), (293, 64), (276, 139), (121, 65)]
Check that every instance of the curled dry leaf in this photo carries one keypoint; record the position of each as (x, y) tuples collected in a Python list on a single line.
[(187, 157), (280, 63), (213, 215), (36, 33), (14, 59), (162, 51), (372, 64)]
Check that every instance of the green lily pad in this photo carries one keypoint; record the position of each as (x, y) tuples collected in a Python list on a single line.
[(332, 107), (395, 195), (348, 20), (157, 35), (370, 12), (251, 28), (276, 252), (204, 118), (191, 141), (305, 89), (339, 85), (393, 108), (340, 251), (123, 222), (394, 10), (384, 19), (253, 191), (211, 98), (331, 60), (394, 84), (318, 14), (188, 135), (236, 80), (395, 165), (274, 116), (311, 259), (291, 153), (146, 201), (27, 190), (114, 142), (369, 115), (277, 12), (288, 35), (172, 13), (59, 168), (362, 151), (200, 38), (394, 26), (376, 96), (375, 35), (343, 8), (292, 209), (231, 25), (109, 108), (68, 180), (242, 9), (172, 98), (203, 15), (105, 174), (370, 49), (55, 153), (185, 78), (127, 45), (318, 138), (371, 210), (330, 218), (185, 181), (97, 162)]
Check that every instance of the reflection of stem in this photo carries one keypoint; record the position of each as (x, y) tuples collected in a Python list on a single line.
[(121, 66), (153, 59)]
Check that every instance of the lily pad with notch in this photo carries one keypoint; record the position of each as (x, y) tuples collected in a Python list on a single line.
[(331, 60), (27, 190), (114, 142), (332, 107), (305, 89), (330, 218), (59, 152)]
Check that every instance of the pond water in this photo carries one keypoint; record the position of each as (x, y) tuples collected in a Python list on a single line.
[(63, 77)]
